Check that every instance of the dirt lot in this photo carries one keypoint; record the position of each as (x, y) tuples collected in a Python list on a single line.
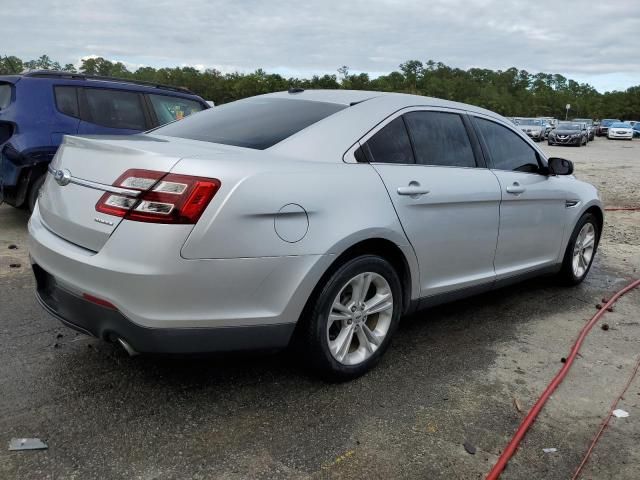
[(454, 374)]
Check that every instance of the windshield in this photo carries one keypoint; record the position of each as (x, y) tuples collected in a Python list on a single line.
[(257, 123), (588, 121), (5, 95), (607, 121), (620, 125), (569, 126)]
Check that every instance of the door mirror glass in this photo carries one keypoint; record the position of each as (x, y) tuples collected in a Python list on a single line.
[(560, 166)]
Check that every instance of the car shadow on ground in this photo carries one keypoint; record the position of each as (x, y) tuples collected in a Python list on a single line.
[(436, 341)]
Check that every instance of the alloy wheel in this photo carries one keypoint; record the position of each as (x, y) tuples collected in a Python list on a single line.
[(583, 249), (360, 318)]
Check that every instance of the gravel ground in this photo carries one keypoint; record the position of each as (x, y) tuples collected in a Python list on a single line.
[(464, 372)]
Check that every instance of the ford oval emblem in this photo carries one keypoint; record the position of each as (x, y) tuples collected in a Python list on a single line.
[(62, 177)]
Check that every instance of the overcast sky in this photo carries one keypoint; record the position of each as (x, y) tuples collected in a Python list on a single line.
[(594, 42)]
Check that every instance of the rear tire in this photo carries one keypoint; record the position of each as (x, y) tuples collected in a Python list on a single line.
[(343, 333), (32, 196), (580, 251)]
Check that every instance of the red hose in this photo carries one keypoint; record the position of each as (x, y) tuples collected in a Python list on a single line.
[(622, 209), (513, 444)]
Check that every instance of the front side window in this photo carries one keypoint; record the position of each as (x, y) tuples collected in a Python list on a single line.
[(257, 123), (67, 100), (440, 138), (508, 151), (169, 109), (391, 144), (115, 109)]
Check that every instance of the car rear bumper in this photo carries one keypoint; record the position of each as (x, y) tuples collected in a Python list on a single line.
[(110, 324), (160, 298)]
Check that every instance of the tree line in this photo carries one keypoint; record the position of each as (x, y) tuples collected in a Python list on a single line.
[(510, 92)]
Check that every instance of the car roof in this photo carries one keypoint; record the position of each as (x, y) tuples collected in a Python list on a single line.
[(365, 109), (354, 97), (82, 79)]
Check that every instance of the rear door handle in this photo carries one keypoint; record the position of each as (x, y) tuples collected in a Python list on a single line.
[(516, 189), (413, 190)]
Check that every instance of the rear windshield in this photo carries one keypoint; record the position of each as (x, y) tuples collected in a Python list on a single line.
[(5, 95), (257, 123)]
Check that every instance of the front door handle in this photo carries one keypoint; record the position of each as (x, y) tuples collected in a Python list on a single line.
[(516, 189), (413, 190)]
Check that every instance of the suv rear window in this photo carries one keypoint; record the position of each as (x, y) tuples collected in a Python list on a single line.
[(115, 108), (169, 109), (5, 95), (257, 123)]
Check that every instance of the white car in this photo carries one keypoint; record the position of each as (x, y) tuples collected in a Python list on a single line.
[(621, 130), (316, 218)]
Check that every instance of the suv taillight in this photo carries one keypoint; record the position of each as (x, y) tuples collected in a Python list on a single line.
[(165, 197)]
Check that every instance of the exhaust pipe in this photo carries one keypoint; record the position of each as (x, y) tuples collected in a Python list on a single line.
[(128, 348)]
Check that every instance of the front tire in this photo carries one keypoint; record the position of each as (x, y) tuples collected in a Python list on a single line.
[(352, 318), (581, 250)]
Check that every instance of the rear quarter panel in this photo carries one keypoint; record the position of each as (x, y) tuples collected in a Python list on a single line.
[(344, 203)]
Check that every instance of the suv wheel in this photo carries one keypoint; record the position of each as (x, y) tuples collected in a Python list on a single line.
[(352, 319), (580, 251), (32, 196)]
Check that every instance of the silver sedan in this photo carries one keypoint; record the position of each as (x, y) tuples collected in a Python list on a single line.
[(308, 218)]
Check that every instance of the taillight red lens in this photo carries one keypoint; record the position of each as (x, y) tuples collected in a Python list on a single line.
[(164, 197)]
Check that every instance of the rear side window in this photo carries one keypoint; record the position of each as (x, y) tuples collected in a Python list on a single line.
[(257, 123), (440, 138), (169, 109), (5, 95), (508, 151), (391, 144), (67, 100), (115, 109)]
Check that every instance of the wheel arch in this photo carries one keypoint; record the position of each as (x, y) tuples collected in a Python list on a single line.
[(401, 258)]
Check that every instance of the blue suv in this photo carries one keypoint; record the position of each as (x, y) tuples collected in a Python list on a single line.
[(39, 107)]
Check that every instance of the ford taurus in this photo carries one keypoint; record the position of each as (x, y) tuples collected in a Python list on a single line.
[(307, 218)]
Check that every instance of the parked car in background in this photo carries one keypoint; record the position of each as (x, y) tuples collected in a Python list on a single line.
[(620, 130), (316, 218), (547, 128), (533, 127), (39, 107), (604, 126), (636, 130), (590, 127), (569, 133), (549, 120)]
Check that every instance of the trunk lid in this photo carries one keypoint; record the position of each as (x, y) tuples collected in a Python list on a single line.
[(94, 163)]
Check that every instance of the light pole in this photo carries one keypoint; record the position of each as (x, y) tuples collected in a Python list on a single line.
[(566, 115)]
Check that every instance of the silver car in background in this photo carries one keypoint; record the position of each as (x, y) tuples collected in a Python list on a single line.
[(307, 218), (534, 128)]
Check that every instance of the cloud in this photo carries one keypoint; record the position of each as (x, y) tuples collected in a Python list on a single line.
[(573, 38)]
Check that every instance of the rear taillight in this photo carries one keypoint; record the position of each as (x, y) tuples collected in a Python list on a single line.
[(164, 197)]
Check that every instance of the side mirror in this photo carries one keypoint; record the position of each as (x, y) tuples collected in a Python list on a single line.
[(560, 166)]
